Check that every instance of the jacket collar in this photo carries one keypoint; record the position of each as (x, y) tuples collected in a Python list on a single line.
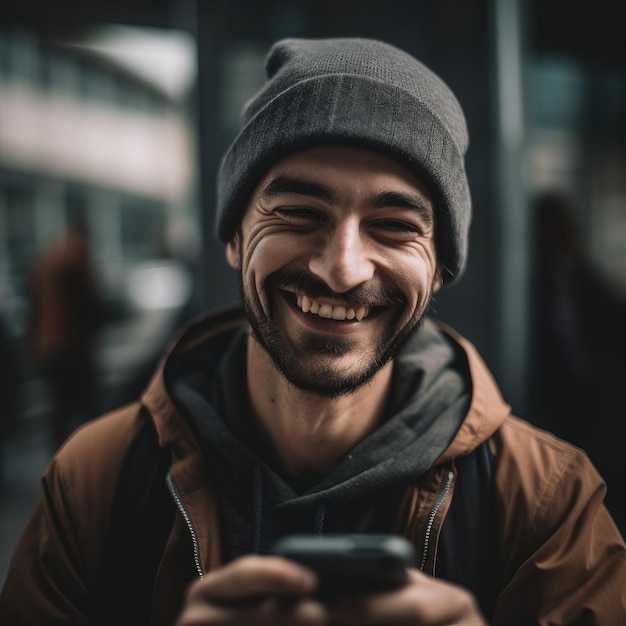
[(486, 413)]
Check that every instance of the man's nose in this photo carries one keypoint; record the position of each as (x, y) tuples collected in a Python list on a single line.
[(344, 262)]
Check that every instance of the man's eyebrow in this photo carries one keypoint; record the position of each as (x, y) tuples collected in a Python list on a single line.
[(404, 200), (301, 186)]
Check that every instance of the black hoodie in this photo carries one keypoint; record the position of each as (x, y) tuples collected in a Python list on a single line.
[(259, 502)]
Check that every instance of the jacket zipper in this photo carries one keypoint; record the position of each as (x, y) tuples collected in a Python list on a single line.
[(442, 494), (173, 489)]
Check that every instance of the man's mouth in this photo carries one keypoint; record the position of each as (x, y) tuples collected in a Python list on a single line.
[(330, 311)]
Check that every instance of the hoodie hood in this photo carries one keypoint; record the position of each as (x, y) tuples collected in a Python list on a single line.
[(434, 395)]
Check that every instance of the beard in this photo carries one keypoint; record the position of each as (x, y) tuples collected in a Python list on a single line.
[(309, 366)]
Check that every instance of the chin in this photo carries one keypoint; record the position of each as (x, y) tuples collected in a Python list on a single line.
[(325, 378)]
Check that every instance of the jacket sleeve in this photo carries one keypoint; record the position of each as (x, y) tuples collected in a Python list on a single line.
[(55, 573), (563, 559), (47, 578)]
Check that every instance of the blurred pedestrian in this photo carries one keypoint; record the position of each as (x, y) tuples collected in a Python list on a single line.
[(580, 340), (67, 312)]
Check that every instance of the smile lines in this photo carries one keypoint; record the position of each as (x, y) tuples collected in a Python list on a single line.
[(329, 311)]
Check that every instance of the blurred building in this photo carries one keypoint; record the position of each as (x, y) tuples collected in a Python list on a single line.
[(96, 125)]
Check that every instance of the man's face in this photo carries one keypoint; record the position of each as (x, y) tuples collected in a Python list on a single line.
[(338, 264)]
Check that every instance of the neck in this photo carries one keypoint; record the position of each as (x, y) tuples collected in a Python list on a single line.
[(309, 433)]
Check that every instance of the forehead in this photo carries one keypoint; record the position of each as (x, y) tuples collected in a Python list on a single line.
[(347, 170)]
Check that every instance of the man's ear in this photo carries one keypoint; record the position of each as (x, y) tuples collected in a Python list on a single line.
[(233, 252)]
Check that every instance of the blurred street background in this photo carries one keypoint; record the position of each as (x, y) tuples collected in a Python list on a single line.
[(113, 119)]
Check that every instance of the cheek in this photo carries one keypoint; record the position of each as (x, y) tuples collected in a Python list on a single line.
[(272, 252), (263, 259), (414, 275)]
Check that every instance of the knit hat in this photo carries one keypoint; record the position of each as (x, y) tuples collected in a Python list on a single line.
[(357, 92)]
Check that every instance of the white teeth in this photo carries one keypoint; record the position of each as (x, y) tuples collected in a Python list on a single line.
[(339, 313), (328, 311)]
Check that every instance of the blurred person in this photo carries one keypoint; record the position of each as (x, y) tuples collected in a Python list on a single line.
[(66, 315), (579, 345), (329, 403)]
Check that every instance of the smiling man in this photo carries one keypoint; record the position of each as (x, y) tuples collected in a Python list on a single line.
[(328, 404), (338, 264)]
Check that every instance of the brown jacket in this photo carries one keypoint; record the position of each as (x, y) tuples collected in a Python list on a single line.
[(562, 558)]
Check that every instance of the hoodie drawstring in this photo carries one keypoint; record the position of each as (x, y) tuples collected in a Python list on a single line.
[(320, 514), (257, 483), (258, 508)]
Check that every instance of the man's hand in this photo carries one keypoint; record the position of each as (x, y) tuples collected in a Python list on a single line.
[(272, 590), (424, 601), (255, 590)]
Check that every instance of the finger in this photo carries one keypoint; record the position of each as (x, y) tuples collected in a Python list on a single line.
[(423, 601), (254, 576), (305, 612), (439, 599)]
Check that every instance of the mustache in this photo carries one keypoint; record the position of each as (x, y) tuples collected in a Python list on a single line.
[(367, 295)]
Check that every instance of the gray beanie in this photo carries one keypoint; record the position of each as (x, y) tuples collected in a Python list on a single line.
[(357, 92)]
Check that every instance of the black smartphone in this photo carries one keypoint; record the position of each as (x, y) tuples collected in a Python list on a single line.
[(350, 563)]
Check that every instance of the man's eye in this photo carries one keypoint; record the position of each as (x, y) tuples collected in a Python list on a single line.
[(298, 213), (397, 226)]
